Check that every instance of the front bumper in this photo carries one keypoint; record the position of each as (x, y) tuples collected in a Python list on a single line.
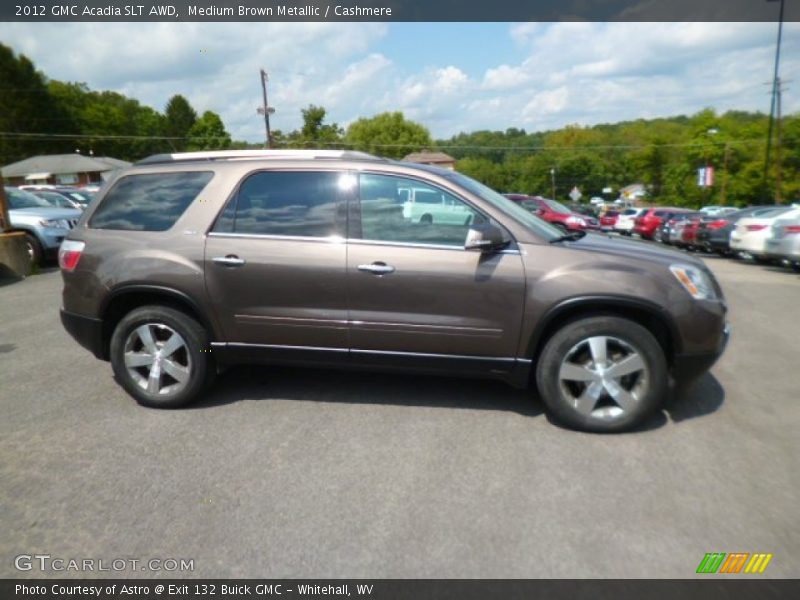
[(688, 367), (88, 332)]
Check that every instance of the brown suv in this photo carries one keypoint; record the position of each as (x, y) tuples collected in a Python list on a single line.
[(190, 261)]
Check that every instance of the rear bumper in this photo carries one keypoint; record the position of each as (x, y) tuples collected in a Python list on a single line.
[(688, 367), (88, 332)]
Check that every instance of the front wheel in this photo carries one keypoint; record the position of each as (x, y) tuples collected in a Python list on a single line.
[(602, 374), (161, 357), (34, 249)]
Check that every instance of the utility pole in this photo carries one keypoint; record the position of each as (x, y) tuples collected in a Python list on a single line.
[(266, 109), (775, 85), (724, 174), (778, 147)]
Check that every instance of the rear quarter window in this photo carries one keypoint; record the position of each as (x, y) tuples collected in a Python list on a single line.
[(149, 202)]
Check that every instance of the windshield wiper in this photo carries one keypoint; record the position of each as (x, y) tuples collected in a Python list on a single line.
[(572, 236)]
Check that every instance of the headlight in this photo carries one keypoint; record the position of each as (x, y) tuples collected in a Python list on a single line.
[(54, 223), (694, 281)]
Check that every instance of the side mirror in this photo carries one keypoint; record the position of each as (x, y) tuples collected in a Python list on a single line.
[(485, 237)]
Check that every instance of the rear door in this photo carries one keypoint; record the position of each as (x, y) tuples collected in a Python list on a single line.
[(275, 261), (415, 293)]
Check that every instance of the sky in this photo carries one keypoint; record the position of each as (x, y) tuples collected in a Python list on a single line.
[(451, 77)]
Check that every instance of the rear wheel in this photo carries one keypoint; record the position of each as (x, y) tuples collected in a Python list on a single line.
[(161, 357), (602, 374)]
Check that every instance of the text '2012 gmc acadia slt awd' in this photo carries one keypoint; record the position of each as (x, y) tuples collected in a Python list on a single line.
[(191, 261)]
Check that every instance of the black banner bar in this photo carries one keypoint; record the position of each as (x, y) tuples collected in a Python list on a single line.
[(399, 10), (733, 587)]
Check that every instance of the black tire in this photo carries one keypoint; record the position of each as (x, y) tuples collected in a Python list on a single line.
[(201, 365), (560, 226), (34, 249), (427, 219), (650, 391)]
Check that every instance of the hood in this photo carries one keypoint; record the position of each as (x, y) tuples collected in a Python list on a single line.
[(46, 212), (616, 246)]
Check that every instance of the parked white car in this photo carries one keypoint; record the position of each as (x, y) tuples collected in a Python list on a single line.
[(627, 219), (750, 235), (783, 241)]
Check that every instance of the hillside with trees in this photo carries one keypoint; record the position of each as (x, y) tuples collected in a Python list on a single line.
[(41, 116)]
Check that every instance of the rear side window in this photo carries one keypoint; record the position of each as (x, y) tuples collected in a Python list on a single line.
[(149, 202), (288, 203)]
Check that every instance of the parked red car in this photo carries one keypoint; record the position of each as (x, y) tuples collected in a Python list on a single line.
[(649, 221), (608, 220), (555, 213)]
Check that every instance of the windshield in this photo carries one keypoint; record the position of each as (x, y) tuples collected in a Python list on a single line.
[(514, 210), (81, 197), (21, 199), (558, 207)]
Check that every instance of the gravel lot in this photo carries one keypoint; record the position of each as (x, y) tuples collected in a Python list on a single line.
[(292, 473)]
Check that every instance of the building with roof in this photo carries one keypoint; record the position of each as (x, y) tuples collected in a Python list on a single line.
[(61, 169), (440, 159)]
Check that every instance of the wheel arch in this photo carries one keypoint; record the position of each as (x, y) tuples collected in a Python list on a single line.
[(123, 300), (647, 314)]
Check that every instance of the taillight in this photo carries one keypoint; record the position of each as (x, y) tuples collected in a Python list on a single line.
[(756, 227), (69, 254), (788, 229), (718, 224)]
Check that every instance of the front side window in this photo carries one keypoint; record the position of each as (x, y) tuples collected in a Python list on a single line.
[(398, 209), (149, 202), (288, 203)]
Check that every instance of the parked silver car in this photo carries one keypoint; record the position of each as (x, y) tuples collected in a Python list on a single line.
[(45, 226), (783, 240)]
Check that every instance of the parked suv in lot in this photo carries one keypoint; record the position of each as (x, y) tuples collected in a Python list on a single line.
[(555, 213), (189, 261), (44, 225)]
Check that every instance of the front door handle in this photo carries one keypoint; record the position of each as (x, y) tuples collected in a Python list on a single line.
[(229, 261), (377, 268)]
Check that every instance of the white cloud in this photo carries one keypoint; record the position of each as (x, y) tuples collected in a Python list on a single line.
[(553, 74)]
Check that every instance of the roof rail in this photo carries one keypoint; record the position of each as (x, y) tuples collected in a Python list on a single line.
[(250, 154)]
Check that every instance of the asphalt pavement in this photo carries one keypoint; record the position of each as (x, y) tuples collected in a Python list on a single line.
[(311, 473)]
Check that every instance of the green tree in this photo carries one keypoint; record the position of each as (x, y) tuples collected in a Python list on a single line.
[(26, 107), (208, 133), (315, 132), (180, 118), (388, 134)]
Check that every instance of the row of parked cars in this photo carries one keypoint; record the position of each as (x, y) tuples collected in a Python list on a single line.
[(763, 233)]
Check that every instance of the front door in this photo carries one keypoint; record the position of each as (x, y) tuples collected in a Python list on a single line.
[(413, 288), (275, 262)]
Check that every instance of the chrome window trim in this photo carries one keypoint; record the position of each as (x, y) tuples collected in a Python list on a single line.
[(362, 242), (331, 239), (341, 240)]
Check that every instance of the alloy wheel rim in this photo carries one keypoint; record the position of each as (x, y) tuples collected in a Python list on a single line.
[(157, 359), (603, 377)]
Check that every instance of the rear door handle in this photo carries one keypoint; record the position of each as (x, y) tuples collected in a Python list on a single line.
[(229, 261), (377, 268)]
